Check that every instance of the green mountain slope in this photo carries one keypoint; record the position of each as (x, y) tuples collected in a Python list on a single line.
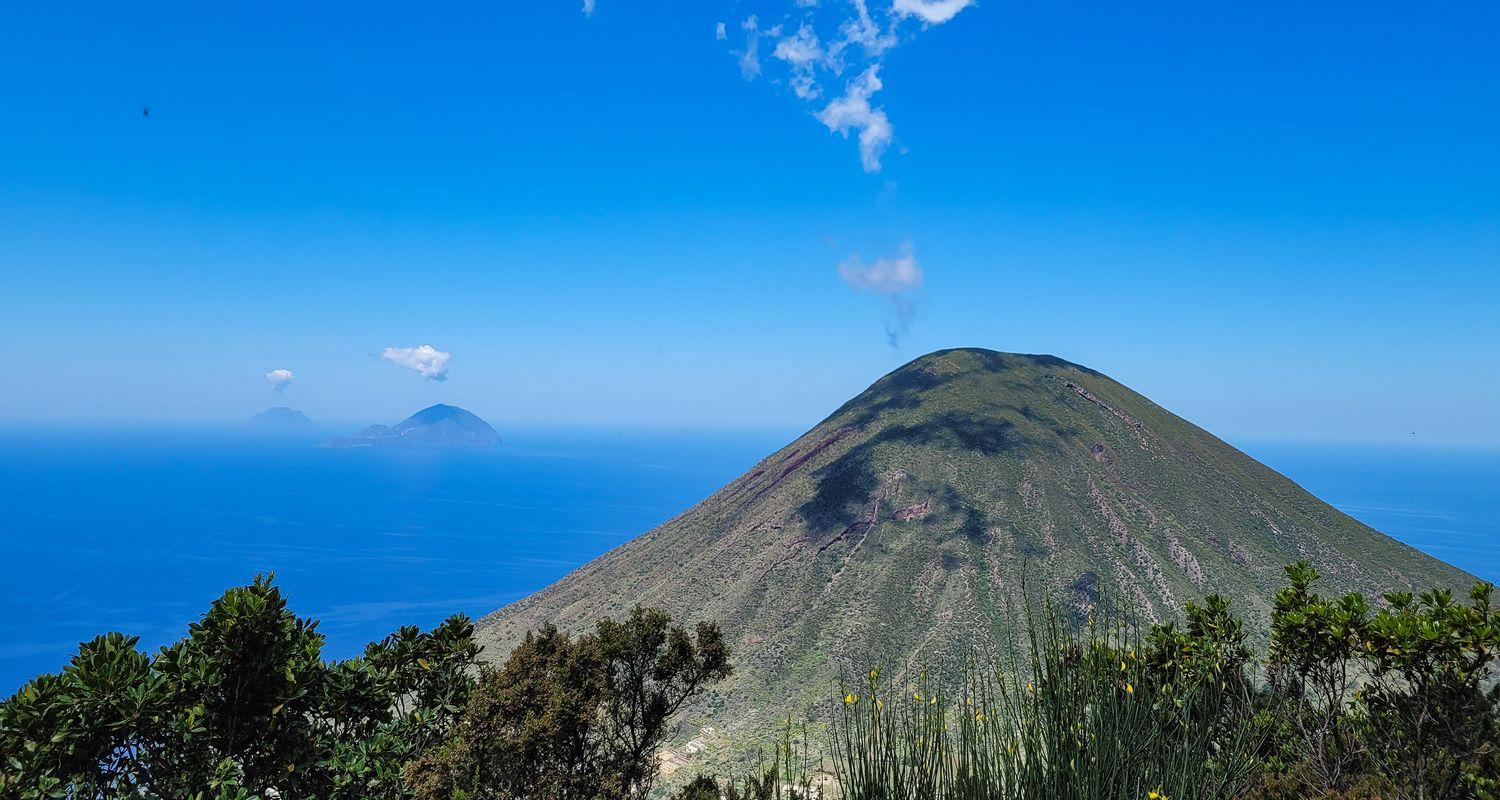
[(897, 531)]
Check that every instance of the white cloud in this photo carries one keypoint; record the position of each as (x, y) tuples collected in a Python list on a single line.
[(803, 54), (854, 112), (279, 379), (428, 361), (889, 277), (840, 46), (588, 8), (932, 12), (719, 32), (861, 29), (898, 279), (750, 58)]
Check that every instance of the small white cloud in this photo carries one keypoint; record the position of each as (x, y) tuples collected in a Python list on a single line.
[(588, 8), (719, 32), (803, 54), (854, 112), (932, 12), (886, 276), (750, 58), (898, 279), (279, 379), (428, 361), (861, 29)]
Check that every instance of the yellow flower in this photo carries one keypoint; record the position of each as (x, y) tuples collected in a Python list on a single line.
[(917, 696), (850, 699), (1122, 666), (1129, 688), (1155, 794)]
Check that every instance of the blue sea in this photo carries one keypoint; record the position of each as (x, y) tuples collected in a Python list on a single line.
[(139, 531)]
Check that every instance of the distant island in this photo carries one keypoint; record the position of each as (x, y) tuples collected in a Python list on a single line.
[(437, 426), (280, 420)]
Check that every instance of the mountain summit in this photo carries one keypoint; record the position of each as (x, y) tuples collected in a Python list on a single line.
[(897, 531), (435, 426)]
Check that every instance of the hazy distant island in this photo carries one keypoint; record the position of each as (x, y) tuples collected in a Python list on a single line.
[(280, 420), (436, 426)]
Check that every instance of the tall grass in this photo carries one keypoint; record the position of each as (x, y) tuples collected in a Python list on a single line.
[(1072, 712)]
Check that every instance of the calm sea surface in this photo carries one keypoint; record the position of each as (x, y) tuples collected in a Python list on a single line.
[(140, 531)]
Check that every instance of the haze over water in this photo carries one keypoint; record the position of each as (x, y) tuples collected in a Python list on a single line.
[(140, 531)]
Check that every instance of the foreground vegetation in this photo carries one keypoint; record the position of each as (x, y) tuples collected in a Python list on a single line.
[(244, 707), (1352, 702)]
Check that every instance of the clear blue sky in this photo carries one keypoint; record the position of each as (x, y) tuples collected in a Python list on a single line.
[(1281, 220)]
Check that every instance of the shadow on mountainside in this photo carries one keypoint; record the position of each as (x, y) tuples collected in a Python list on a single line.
[(846, 486)]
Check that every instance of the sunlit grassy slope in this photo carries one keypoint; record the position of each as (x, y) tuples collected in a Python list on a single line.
[(897, 532)]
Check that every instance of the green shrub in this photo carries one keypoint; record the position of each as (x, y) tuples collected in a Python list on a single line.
[(1408, 694), (1315, 642), (243, 707), (575, 717)]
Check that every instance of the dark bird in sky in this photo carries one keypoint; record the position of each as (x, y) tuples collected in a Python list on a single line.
[(146, 112)]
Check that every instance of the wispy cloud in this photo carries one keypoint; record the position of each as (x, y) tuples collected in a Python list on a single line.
[(803, 55), (836, 49), (588, 8), (891, 277), (932, 12), (854, 112), (426, 360), (750, 56), (898, 279), (860, 29), (279, 379)]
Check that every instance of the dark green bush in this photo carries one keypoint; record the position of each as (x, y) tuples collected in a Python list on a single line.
[(244, 706), (577, 717), (1407, 694)]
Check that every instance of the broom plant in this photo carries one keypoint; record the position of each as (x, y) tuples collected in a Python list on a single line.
[(1090, 711)]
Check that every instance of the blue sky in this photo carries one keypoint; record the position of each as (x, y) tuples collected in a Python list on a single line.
[(1279, 220)]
